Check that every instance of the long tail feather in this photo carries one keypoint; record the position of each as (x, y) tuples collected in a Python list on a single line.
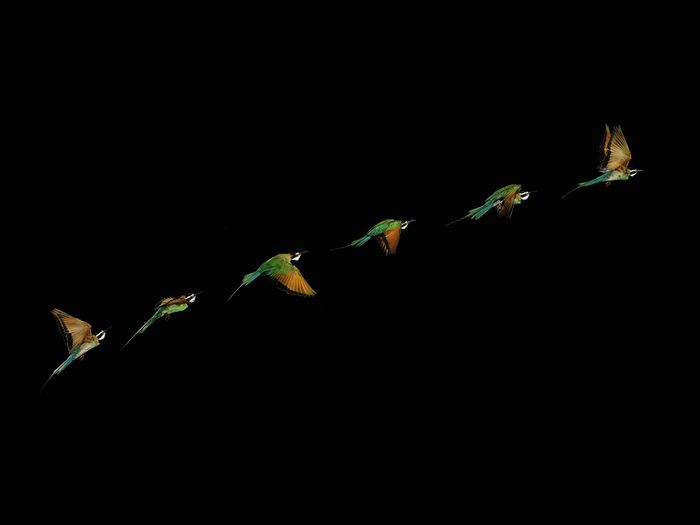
[(456, 220), (247, 279), (478, 213), (571, 191), (141, 330), (354, 244), (597, 180), (61, 368)]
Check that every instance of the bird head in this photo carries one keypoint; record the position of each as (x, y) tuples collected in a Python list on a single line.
[(101, 334), (191, 297), (525, 195), (405, 224), (634, 172), (297, 255)]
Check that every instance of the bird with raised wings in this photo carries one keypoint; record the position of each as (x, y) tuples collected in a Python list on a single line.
[(387, 233), (164, 308), (281, 270), (503, 199), (78, 336), (615, 163)]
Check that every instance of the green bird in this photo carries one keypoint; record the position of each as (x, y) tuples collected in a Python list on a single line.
[(504, 200), (78, 336), (164, 308), (387, 233), (281, 270), (616, 158)]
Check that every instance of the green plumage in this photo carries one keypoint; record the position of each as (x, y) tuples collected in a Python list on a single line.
[(164, 308), (503, 199), (280, 269), (376, 230)]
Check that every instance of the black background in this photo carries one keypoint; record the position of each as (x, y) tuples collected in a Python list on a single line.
[(174, 168)]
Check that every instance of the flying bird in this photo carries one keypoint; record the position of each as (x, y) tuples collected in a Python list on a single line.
[(616, 158), (387, 233), (504, 200), (78, 336), (164, 308), (280, 269)]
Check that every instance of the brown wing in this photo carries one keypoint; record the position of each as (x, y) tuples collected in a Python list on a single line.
[(505, 207), (605, 149), (171, 300), (392, 240), (383, 244), (293, 281), (74, 330), (619, 154)]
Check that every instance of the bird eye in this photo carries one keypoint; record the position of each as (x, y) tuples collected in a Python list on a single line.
[(191, 298), (101, 335), (525, 195), (296, 256)]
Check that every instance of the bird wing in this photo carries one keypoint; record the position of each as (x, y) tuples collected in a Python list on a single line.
[(604, 149), (505, 206), (391, 238), (293, 281), (74, 330), (617, 151), (170, 300)]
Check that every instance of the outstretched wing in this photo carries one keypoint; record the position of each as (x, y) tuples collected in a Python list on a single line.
[(617, 152), (171, 300), (505, 206), (390, 240), (292, 280), (74, 330)]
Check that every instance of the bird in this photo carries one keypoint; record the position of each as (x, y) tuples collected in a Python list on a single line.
[(280, 269), (387, 233), (164, 308), (504, 200), (79, 339), (616, 158)]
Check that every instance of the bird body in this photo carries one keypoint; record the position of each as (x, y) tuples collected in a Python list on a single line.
[(164, 308), (280, 269), (503, 199), (616, 159), (386, 232), (78, 336)]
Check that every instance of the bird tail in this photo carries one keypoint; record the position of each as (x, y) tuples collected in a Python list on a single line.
[(478, 213), (61, 368), (591, 182), (354, 244), (579, 186), (456, 220), (247, 279), (141, 330)]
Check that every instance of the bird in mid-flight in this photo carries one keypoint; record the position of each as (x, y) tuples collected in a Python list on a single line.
[(387, 233), (164, 308), (616, 158), (280, 269), (78, 336), (504, 200)]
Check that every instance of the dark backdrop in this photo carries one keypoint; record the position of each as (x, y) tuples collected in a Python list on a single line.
[(173, 175)]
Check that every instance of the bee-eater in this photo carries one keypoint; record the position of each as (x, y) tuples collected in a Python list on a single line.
[(616, 157), (280, 269), (164, 308), (78, 336), (504, 200), (387, 233)]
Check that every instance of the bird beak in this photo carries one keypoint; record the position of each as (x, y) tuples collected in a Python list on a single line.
[(305, 251)]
